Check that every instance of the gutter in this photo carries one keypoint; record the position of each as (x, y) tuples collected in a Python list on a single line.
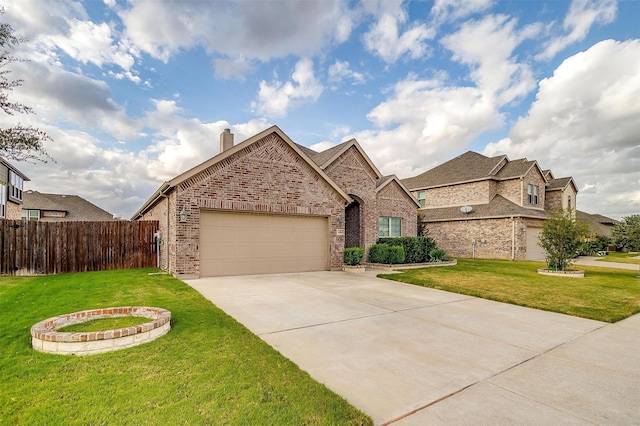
[(155, 197)]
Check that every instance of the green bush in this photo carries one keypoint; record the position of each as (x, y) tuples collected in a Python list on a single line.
[(438, 255), (416, 249), (378, 253), (395, 255), (353, 256)]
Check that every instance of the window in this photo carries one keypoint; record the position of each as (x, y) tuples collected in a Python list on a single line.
[(30, 214), (389, 227), (3, 201), (532, 192), (569, 202), (422, 198), (17, 184)]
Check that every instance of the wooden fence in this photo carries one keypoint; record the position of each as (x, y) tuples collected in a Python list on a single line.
[(36, 248)]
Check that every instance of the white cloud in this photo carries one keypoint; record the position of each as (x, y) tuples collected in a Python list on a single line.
[(391, 37), (275, 99), (452, 10), (582, 15), (232, 69), (340, 71), (256, 30), (584, 123), (487, 46)]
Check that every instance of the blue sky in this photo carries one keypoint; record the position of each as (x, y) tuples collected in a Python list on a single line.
[(136, 92)]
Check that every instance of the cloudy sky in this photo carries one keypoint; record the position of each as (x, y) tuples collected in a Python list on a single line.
[(136, 92)]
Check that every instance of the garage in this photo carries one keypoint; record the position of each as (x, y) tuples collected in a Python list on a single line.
[(534, 251), (234, 243)]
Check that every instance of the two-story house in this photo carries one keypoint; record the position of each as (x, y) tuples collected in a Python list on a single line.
[(11, 190), (489, 207)]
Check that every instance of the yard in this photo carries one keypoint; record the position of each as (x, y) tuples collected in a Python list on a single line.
[(603, 294), (632, 258), (207, 370)]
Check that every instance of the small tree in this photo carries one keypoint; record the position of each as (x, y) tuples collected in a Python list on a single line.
[(561, 238), (626, 233), (18, 142)]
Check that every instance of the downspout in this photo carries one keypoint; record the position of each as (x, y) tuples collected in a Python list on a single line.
[(513, 238)]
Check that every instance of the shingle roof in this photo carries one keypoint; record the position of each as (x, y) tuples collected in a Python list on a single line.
[(597, 222), (515, 169), (77, 208), (467, 167), (497, 207), (559, 183)]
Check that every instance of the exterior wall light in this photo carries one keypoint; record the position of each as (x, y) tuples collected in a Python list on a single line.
[(341, 220), (183, 215)]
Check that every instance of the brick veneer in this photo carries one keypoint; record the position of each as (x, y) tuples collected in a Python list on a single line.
[(267, 176), (458, 195), (392, 201)]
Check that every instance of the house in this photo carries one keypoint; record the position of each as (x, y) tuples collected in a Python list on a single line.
[(11, 190), (489, 207), (60, 207), (598, 224), (269, 205)]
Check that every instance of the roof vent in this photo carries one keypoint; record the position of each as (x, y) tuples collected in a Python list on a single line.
[(226, 140), (466, 209)]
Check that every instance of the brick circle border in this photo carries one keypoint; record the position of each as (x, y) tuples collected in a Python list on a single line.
[(45, 336)]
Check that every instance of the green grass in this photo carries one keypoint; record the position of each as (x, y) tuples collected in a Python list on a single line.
[(208, 369), (621, 258), (105, 324), (604, 294)]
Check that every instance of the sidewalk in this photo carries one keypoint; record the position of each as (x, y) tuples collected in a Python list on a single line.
[(593, 261)]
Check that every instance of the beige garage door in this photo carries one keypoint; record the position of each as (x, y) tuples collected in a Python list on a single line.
[(245, 244), (534, 251)]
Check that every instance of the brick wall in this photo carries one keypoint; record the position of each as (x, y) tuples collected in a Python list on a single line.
[(353, 174), (534, 178), (14, 211), (392, 201), (553, 200), (266, 177), (459, 195), (512, 190)]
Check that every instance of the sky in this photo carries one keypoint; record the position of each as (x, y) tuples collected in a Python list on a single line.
[(134, 93)]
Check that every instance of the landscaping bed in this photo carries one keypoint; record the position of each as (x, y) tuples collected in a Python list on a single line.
[(208, 369), (603, 294)]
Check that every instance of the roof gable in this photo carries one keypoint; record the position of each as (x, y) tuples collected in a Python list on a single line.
[(325, 158), (561, 184), (386, 180)]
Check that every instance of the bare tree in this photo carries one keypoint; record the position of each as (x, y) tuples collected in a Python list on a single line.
[(20, 143)]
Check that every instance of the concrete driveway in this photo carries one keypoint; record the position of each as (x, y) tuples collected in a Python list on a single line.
[(409, 355)]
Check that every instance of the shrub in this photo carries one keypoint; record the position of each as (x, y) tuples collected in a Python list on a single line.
[(561, 238), (378, 253), (353, 256), (437, 255), (395, 255), (416, 249)]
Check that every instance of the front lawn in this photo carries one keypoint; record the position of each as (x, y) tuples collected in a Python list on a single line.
[(621, 258), (208, 369), (604, 294)]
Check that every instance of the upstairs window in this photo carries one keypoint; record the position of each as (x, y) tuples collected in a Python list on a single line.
[(422, 198), (389, 227), (17, 184), (30, 214), (3, 201), (532, 193), (569, 202)]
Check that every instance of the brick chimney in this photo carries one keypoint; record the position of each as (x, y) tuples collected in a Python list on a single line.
[(226, 140)]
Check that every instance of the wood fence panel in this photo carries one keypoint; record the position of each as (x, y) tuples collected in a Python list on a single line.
[(36, 248)]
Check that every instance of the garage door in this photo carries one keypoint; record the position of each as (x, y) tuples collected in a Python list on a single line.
[(245, 244), (534, 251)]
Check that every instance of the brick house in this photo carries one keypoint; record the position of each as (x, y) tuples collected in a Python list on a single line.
[(269, 205), (489, 207), (60, 208), (11, 190)]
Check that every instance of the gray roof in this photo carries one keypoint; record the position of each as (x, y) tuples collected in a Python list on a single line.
[(597, 222), (560, 183), (76, 208), (497, 207)]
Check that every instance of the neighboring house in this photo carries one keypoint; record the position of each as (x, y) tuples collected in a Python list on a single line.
[(598, 224), (11, 190), (60, 207), (489, 207), (269, 205)]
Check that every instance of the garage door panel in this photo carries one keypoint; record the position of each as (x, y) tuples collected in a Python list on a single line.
[(239, 244), (534, 251)]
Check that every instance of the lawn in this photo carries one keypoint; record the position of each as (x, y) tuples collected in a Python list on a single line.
[(621, 257), (604, 294), (208, 369)]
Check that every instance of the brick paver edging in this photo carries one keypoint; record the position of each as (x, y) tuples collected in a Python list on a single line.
[(46, 338)]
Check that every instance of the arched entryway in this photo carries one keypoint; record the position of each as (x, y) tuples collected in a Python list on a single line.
[(353, 223)]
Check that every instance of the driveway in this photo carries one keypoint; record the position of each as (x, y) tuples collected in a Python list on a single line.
[(408, 355)]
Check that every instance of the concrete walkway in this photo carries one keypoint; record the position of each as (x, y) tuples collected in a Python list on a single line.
[(409, 355), (594, 261)]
